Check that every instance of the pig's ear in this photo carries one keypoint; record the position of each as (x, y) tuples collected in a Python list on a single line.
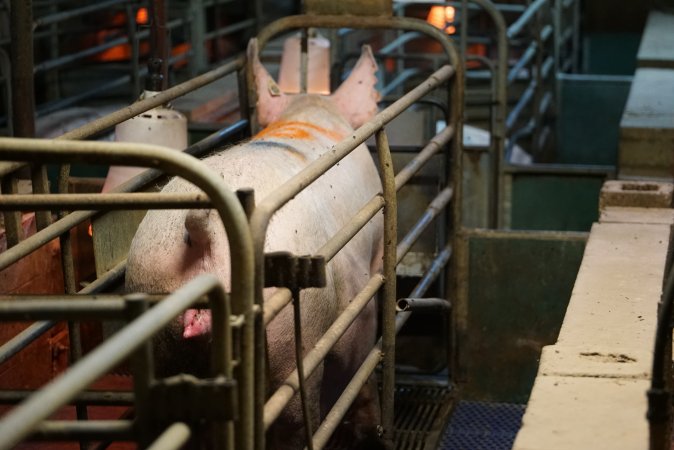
[(357, 97), (271, 102)]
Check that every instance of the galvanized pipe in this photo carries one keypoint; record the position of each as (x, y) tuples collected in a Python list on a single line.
[(69, 430), (173, 438), (34, 331), (525, 18), (434, 208), (21, 51), (423, 305), (21, 340), (279, 399), (230, 29), (388, 296), (102, 398), (72, 13), (274, 304), (334, 417), (62, 309), (18, 424), (107, 201), (432, 148)]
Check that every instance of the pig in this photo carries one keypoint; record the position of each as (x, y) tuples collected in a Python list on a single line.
[(172, 247)]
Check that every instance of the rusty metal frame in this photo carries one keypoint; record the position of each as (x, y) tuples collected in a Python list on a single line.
[(268, 206)]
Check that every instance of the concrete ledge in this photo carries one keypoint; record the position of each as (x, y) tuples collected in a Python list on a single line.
[(585, 413), (590, 391), (657, 42), (592, 361), (640, 194)]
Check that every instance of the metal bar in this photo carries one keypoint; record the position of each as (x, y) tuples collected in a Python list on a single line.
[(433, 147), (435, 207), (532, 9), (143, 373), (21, 340), (18, 424), (242, 25), (63, 309), (279, 399), (336, 414), (173, 438), (304, 62), (12, 220), (420, 289), (72, 13), (561, 169), (159, 39), (274, 304), (502, 7), (102, 398), (68, 430), (524, 100), (21, 51), (389, 293), (423, 304), (348, 231), (107, 201)]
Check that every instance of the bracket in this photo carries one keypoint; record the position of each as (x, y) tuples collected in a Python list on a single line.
[(283, 269)]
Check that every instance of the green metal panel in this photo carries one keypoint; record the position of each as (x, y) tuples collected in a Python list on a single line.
[(519, 285), (611, 53), (555, 202), (590, 109)]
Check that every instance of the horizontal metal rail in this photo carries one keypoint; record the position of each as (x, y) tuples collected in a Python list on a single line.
[(106, 201), (71, 14), (67, 59), (249, 23), (103, 398), (62, 309), (18, 424), (73, 430), (34, 331)]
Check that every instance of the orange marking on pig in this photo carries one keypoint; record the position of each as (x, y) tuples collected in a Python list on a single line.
[(295, 129)]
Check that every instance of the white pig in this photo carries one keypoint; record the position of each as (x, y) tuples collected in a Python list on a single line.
[(172, 247)]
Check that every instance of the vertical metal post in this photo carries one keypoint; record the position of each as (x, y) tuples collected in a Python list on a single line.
[(538, 77), (304, 61), (13, 229), (143, 373), (159, 41), (463, 42), (389, 291), (53, 88), (575, 52), (135, 51), (21, 52), (198, 32)]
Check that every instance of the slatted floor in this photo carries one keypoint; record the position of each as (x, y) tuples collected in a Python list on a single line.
[(482, 426)]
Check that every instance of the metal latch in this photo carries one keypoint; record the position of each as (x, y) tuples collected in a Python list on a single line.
[(188, 398), (283, 269)]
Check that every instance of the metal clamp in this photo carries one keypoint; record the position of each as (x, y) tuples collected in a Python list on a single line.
[(186, 398), (283, 269)]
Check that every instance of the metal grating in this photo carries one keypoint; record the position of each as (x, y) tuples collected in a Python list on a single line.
[(482, 426), (421, 414)]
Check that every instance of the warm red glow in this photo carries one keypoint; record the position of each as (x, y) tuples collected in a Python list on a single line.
[(141, 16), (90, 230), (442, 17)]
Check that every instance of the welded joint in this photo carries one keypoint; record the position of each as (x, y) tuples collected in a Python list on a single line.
[(283, 269), (189, 399)]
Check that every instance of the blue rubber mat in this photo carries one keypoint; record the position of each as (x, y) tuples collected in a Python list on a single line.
[(482, 426)]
